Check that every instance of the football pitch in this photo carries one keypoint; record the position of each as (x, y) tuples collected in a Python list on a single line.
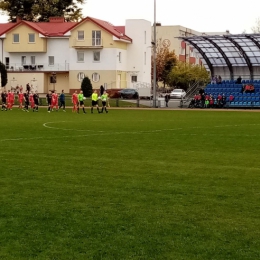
[(130, 184)]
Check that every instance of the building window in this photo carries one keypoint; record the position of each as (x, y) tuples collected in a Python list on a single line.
[(144, 37), (134, 78), (16, 38), (51, 60), (32, 60), (96, 38), (80, 76), (95, 77), (23, 60), (144, 58), (120, 57), (191, 53), (31, 38), (53, 79), (81, 35), (80, 56), (96, 56)]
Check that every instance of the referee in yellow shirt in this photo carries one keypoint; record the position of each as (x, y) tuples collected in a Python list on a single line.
[(94, 103)]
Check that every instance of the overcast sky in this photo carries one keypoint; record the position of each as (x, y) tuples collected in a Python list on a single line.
[(199, 15)]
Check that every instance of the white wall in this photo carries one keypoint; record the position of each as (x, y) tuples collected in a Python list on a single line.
[(55, 47), (136, 29), (108, 59)]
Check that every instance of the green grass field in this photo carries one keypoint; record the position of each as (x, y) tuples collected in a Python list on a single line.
[(130, 184)]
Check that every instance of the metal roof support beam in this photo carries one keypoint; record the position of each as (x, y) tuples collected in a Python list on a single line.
[(223, 54), (202, 54), (253, 40), (243, 53)]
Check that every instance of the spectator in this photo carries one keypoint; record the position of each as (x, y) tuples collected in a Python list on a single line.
[(239, 80), (231, 98), (219, 80), (213, 80), (211, 101), (28, 88), (167, 98)]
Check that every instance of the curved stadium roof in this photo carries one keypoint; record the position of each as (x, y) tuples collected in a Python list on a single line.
[(241, 50)]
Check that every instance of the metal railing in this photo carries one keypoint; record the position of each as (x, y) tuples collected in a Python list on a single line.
[(89, 42), (37, 67)]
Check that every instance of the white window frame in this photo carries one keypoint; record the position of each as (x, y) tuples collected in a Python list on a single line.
[(79, 36), (18, 40), (95, 57), (95, 77), (51, 60), (96, 41), (80, 56), (33, 60), (31, 34), (23, 60)]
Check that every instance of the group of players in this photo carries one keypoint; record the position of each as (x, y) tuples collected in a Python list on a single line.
[(28, 98), (78, 102), (31, 100)]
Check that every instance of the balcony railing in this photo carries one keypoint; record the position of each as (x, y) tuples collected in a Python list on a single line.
[(37, 67), (88, 43)]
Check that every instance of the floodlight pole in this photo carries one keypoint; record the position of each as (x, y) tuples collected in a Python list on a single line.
[(154, 57)]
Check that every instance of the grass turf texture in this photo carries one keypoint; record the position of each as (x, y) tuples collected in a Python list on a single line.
[(135, 185)]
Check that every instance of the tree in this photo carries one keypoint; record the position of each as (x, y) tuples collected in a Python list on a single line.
[(42, 10), (3, 72), (165, 61), (185, 74), (86, 87), (256, 28)]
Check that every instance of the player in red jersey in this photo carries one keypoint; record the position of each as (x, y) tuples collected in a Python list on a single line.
[(32, 100), (12, 99), (75, 101), (9, 100), (54, 100), (20, 99)]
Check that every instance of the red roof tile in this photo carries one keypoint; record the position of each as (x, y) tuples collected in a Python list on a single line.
[(108, 27), (5, 27), (120, 29), (52, 29)]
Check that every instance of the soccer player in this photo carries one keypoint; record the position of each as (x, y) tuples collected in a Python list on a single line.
[(26, 101), (20, 99), (54, 101), (94, 100), (104, 99), (12, 98), (62, 101), (36, 101), (81, 101), (32, 101), (8, 99), (48, 100), (4, 99), (75, 101)]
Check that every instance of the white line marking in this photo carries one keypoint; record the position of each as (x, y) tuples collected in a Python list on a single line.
[(104, 133)]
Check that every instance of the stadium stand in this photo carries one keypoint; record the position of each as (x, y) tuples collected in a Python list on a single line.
[(241, 98)]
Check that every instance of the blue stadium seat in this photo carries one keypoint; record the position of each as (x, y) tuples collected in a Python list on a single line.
[(257, 104), (253, 99)]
